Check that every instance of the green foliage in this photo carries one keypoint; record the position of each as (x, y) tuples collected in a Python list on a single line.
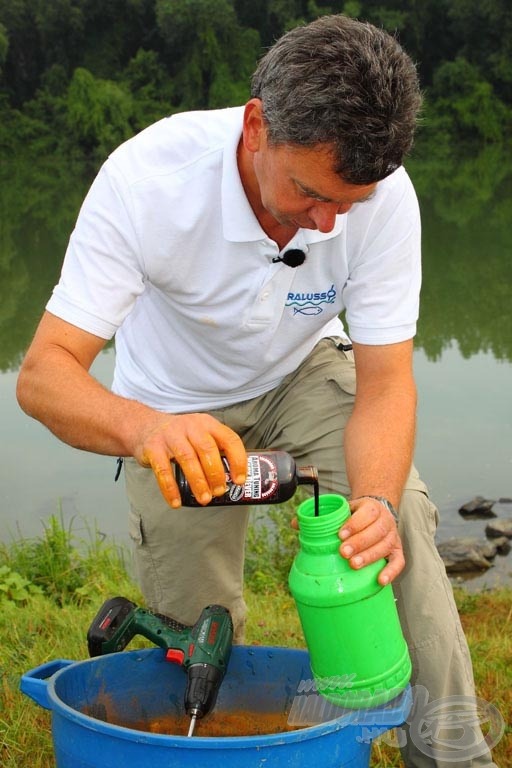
[(98, 112), (4, 45), (273, 17), (484, 32), (14, 588), (59, 566), (210, 54), (466, 103), (147, 58), (146, 79), (352, 8), (467, 274), (77, 77), (460, 180), (42, 184), (270, 547), (392, 19)]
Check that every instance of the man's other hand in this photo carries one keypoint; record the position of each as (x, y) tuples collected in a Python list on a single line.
[(371, 534)]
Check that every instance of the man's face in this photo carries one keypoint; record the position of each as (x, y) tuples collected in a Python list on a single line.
[(298, 186)]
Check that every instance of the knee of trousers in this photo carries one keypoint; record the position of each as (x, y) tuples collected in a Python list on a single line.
[(426, 605), (182, 568)]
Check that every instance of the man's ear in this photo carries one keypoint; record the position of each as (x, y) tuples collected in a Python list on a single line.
[(253, 131)]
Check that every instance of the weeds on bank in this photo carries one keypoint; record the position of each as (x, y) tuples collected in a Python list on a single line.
[(270, 547), (52, 586), (50, 589), (60, 565)]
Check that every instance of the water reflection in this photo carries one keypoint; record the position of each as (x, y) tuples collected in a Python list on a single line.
[(467, 246), (38, 206)]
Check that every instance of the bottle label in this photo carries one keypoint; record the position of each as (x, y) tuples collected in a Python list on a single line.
[(261, 483)]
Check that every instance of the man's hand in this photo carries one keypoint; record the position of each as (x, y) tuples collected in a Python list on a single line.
[(195, 441), (370, 534), (55, 386)]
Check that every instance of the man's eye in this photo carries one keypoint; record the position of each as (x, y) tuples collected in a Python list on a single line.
[(311, 195)]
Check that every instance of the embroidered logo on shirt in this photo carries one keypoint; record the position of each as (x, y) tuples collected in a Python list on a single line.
[(310, 303)]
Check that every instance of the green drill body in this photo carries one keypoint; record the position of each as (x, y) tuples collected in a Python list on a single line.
[(202, 650)]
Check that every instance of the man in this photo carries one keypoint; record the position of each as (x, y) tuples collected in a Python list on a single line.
[(224, 341)]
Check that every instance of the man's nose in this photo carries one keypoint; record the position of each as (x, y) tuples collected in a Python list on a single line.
[(324, 214)]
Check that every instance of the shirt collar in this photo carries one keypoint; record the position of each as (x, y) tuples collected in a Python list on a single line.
[(239, 223)]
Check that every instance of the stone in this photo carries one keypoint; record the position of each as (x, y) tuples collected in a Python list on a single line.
[(503, 545), (466, 554), (499, 527), (487, 549), (478, 508)]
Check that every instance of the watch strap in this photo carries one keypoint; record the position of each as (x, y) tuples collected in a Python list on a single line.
[(385, 503)]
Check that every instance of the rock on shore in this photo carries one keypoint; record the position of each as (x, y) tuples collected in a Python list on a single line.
[(499, 528), (466, 554), (471, 554)]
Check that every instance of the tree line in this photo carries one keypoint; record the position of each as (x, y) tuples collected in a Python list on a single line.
[(77, 77), (80, 76)]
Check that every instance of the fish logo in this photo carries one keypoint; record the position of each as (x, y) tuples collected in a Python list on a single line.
[(310, 304), (310, 310)]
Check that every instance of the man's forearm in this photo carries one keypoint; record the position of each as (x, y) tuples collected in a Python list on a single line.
[(379, 440), (379, 443), (79, 410)]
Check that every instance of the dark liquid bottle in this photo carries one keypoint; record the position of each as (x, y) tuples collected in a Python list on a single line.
[(272, 477)]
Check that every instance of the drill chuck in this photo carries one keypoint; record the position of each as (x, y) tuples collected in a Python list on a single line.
[(202, 687)]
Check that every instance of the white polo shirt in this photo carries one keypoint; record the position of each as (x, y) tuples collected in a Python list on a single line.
[(168, 255)]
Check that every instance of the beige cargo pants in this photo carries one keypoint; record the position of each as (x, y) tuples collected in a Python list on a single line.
[(188, 558)]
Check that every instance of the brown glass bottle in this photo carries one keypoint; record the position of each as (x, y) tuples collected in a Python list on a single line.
[(272, 477)]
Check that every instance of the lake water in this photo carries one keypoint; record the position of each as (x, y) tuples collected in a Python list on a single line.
[(463, 364)]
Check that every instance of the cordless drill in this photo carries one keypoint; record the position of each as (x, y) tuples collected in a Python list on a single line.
[(203, 650)]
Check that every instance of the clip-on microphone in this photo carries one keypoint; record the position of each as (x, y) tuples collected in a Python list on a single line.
[(292, 258)]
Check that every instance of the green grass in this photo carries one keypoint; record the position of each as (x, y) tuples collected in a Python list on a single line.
[(51, 588)]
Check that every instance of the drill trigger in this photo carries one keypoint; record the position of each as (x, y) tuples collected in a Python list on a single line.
[(175, 655)]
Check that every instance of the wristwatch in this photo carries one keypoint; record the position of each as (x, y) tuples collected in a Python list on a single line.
[(384, 502)]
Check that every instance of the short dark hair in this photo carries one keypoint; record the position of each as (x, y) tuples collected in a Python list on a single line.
[(345, 83)]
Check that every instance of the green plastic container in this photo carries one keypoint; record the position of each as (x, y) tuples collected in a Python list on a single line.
[(359, 657)]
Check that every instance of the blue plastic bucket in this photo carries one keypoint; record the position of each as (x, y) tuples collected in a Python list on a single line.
[(141, 686)]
